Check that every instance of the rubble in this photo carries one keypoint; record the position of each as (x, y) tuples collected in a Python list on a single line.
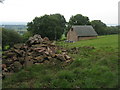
[(35, 50)]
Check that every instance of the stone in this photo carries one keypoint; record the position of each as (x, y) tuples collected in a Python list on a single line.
[(39, 49), (28, 58), (14, 58), (8, 61), (5, 69), (61, 57), (17, 66), (18, 52), (10, 54), (64, 50), (68, 61), (4, 66), (67, 57), (21, 60), (18, 46), (46, 39), (39, 59), (36, 39), (49, 58), (28, 63), (46, 52)]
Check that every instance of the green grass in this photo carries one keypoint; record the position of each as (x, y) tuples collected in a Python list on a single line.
[(91, 68), (100, 41)]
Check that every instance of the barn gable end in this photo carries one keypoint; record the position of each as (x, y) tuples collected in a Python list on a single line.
[(72, 36), (77, 33)]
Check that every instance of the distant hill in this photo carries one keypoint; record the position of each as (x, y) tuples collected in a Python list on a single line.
[(21, 29), (112, 25), (15, 27), (13, 23)]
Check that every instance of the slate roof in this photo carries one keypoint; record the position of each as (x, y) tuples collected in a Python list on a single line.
[(84, 30)]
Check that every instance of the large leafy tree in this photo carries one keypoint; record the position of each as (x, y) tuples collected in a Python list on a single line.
[(99, 27), (51, 26), (79, 20)]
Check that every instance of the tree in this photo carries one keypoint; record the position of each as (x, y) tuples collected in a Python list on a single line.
[(113, 30), (79, 20), (51, 26), (99, 27), (10, 37)]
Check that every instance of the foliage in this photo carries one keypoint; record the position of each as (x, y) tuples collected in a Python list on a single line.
[(10, 37), (112, 30), (63, 37), (54, 25), (51, 26), (102, 29), (96, 68), (99, 27), (26, 36), (6, 47), (79, 20)]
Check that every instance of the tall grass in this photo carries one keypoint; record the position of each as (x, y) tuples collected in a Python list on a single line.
[(91, 68)]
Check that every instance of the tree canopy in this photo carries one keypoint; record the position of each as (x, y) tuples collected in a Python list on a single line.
[(51, 26), (99, 27), (79, 20)]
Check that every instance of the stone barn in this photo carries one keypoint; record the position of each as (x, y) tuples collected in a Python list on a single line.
[(83, 32)]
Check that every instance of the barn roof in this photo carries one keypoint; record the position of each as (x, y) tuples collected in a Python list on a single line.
[(84, 30)]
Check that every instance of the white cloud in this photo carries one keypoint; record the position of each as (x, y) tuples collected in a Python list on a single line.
[(26, 10)]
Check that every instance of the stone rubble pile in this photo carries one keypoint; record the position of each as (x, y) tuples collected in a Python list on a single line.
[(36, 50)]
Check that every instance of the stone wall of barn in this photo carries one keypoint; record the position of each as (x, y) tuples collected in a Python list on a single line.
[(72, 36), (85, 38)]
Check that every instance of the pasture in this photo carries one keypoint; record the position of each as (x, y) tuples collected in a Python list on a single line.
[(95, 65)]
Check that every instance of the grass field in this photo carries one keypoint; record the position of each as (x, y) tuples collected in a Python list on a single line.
[(92, 68), (100, 41)]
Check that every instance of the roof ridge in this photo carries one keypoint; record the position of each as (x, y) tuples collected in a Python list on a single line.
[(84, 30), (80, 25)]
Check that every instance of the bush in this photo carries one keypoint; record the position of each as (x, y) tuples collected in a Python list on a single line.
[(63, 37), (10, 37), (26, 36)]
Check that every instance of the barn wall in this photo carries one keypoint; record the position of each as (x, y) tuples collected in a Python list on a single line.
[(72, 36), (85, 38)]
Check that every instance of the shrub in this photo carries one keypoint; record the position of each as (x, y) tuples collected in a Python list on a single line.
[(26, 36), (10, 37)]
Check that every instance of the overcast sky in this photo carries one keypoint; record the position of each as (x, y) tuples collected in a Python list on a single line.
[(27, 10)]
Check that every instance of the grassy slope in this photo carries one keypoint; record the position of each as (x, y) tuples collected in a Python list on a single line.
[(100, 41), (92, 68)]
